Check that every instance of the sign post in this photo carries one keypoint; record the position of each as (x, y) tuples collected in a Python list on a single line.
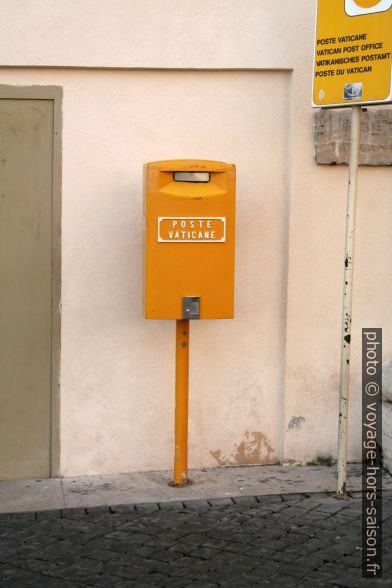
[(181, 410), (347, 300), (352, 66)]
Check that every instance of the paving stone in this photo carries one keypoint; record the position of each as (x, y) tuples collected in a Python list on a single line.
[(121, 509), (23, 516), (98, 510), (127, 584), (259, 551), (73, 513), (313, 583), (283, 556), (201, 584), (104, 555), (292, 571), (127, 537), (106, 581), (119, 570), (282, 581), (174, 505), (269, 498), (156, 579), (147, 507), (241, 582), (217, 502), (244, 499), (196, 505), (278, 541), (48, 514), (294, 497)]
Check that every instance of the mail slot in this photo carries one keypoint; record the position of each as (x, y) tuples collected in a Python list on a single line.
[(189, 213)]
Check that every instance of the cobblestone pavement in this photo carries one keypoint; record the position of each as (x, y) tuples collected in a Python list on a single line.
[(290, 540)]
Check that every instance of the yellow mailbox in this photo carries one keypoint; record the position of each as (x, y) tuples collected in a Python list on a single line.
[(189, 208), (189, 214)]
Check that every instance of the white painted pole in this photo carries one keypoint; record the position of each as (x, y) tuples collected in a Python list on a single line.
[(347, 301)]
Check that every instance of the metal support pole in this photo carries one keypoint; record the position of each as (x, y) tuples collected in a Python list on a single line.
[(347, 302), (181, 414)]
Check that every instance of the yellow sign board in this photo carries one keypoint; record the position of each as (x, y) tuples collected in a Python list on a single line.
[(353, 53)]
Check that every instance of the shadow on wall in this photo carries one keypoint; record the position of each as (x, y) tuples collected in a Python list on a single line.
[(255, 449)]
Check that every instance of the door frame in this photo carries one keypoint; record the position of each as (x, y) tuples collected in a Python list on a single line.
[(55, 94)]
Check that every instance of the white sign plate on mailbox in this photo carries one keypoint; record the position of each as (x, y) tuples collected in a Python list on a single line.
[(194, 229)]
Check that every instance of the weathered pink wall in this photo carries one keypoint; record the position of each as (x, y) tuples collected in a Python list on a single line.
[(220, 79)]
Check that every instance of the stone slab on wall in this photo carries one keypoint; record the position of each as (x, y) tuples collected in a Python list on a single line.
[(332, 136), (387, 415), (387, 435)]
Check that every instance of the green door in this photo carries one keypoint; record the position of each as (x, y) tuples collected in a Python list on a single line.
[(26, 178)]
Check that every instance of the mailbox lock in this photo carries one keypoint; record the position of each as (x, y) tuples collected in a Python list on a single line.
[(191, 307)]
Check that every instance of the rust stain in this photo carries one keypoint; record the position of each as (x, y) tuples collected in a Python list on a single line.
[(217, 455), (255, 449)]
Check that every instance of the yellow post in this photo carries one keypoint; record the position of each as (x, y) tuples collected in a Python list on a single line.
[(181, 415)]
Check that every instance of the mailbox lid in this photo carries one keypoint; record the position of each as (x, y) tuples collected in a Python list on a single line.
[(173, 165)]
